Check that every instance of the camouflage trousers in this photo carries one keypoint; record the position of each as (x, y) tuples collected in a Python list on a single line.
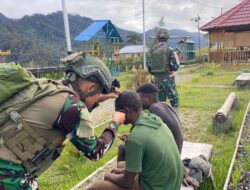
[(14, 177), (167, 90)]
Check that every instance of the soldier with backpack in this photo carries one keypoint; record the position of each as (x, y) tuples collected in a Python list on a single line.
[(163, 61), (37, 115)]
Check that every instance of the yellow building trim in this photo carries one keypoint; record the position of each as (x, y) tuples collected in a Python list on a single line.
[(5, 53)]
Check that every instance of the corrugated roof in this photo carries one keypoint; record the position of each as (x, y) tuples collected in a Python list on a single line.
[(132, 49), (98, 25), (237, 16), (187, 41)]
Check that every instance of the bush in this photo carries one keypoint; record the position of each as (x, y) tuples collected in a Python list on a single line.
[(192, 71), (210, 73), (139, 77)]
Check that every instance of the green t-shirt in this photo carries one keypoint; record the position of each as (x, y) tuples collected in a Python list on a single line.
[(152, 152)]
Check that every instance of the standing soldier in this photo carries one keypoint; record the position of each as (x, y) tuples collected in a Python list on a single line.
[(32, 136), (162, 64)]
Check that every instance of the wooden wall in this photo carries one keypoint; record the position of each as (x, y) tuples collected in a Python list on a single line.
[(230, 39)]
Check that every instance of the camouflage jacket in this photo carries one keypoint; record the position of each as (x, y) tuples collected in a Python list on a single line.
[(75, 122)]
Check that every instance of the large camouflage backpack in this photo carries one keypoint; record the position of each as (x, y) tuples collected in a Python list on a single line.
[(19, 90)]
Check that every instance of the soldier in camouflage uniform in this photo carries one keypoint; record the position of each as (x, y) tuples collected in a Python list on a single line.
[(166, 81), (51, 119)]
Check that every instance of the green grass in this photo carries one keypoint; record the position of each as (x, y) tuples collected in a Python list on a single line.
[(203, 104), (197, 106), (215, 68), (72, 166), (236, 176), (215, 79), (124, 80)]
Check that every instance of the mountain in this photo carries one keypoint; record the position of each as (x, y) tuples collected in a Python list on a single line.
[(40, 39)]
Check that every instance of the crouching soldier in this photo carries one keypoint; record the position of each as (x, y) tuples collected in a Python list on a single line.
[(32, 137)]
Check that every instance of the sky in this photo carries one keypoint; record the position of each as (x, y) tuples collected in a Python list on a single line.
[(127, 14)]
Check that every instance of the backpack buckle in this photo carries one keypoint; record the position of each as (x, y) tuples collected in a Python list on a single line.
[(16, 117)]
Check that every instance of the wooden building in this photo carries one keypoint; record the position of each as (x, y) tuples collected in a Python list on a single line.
[(187, 54), (229, 35)]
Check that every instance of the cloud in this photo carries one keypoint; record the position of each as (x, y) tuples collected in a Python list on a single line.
[(127, 14)]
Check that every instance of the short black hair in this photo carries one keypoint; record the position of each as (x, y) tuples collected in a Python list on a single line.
[(148, 88), (128, 99)]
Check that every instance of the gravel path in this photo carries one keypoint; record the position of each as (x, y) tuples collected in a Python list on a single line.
[(103, 112)]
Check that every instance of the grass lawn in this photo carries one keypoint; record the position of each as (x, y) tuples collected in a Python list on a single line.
[(215, 79), (72, 166), (197, 106)]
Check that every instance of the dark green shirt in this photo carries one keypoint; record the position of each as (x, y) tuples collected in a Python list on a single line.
[(152, 152)]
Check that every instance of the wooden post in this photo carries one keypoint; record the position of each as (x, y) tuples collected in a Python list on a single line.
[(209, 47), (221, 120)]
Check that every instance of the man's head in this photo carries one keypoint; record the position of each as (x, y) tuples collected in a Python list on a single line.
[(162, 34), (149, 94), (130, 103), (89, 77)]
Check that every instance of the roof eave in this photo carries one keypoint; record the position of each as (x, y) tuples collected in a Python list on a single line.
[(232, 27)]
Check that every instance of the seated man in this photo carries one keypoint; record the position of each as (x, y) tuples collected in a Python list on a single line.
[(150, 149), (150, 101)]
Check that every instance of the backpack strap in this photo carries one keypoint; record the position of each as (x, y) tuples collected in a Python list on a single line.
[(39, 89)]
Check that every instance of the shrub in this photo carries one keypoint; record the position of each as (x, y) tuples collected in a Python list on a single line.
[(210, 73), (139, 77), (192, 71)]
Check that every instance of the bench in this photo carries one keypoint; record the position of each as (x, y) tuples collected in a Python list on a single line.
[(243, 81), (191, 150)]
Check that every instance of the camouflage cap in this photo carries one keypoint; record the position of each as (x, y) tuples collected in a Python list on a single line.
[(162, 33), (89, 68)]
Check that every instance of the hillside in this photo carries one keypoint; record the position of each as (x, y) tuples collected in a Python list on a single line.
[(40, 40)]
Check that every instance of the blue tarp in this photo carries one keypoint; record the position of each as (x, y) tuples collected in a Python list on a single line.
[(105, 25)]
